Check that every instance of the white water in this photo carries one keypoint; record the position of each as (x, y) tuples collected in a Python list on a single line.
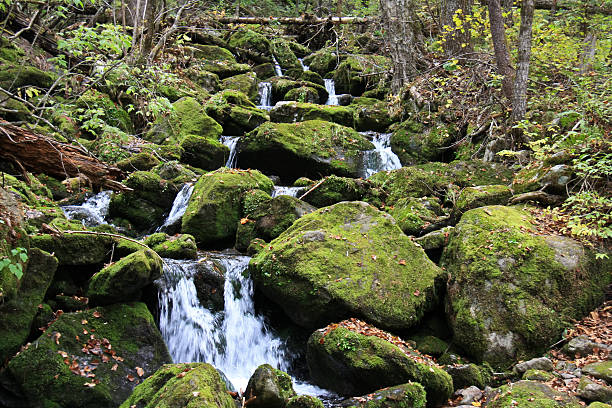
[(236, 340), (382, 157), (265, 95), (277, 68), (179, 206), (231, 141), (330, 87), (290, 191), (92, 212), (304, 66)]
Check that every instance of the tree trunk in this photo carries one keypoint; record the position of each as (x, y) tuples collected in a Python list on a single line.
[(519, 99), (502, 56), (402, 39), (456, 28)]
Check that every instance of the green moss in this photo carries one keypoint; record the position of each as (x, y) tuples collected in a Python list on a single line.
[(139, 161), (347, 259), (302, 94), (251, 43), (304, 401), (9, 51), (215, 206), (532, 394), (45, 378), (204, 153), (601, 370), (410, 395), (599, 405), (271, 387), (480, 196), (307, 148), (182, 246), (430, 345), (14, 76), (322, 61), (538, 375), (213, 53), (97, 104), (299, 112), (334, 189), (367, 363), (359, 73), (235, 112), (281, 86), (371, 114), (181, 385), (283, 53), (469, 374), (34, 195), (245, 83), (413, 215), (415, 142), (303, 182), (74, 249)]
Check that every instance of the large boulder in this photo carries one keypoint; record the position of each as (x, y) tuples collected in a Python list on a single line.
[(75, 249), (290, 112), (92, 358), (333, 189), (530, 394), (245, 83), (179, 246), (347, 259), (215, 205), (182, 385), (341, 357), (250, 45), (271, 388), (322, 61), (281, 49), (281, 86), (215, 60), (414, 142), (94, 106), (236, 113), (509, 294), (124, 279), (410, 395), (17, 314), (309, 148), (359, 73), (371, 114)]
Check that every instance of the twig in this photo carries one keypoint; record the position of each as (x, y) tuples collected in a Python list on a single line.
[(315, 186)]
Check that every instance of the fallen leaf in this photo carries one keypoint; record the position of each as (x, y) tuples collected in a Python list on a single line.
[(130, 377), (83, 321), (244, 220), (97, 314), (114, 367), (196, 393), (402, 262), (417, 292), (139, 371), (90, 384)]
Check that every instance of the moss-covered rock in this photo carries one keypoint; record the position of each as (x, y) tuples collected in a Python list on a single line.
[(304, 94), (15, 75), (204, 153), (271, 388), (299, 74), (542, 176), (531, 394), (17, 314), (601, 370), (347, 259), (97, 104), (334, 189), (181, 385), (480, 196), (181, 246), (34, 195), (322, 61), (359, 73), (430, 345), (9, 51), (140, 161), (307, 149), (352, 363), (371, 114), (538, 375), (414, 142), (235, 112), (415, 215), (282, 85), (215, 60), (250, 45), (508, 297), (466, 375), (264, 71), (75, 249), (289, 112), (124, 279), (122, 338), (410, 395), (245, 83), (283, 54), (215, 205), (304, 401)]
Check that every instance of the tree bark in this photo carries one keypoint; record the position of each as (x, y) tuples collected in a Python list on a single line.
[(502, 56), (457, 38), (41, 154), (519, 99)]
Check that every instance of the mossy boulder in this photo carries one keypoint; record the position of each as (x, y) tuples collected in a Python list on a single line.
[(415, 142), (181, 385), (267, 217), (466, 375), (480, 196), (181, 246), (14, 110), (508, 297), (9, 51), (334, 189), (283, 54), (33, 195), (303, 94), (250, 45), (105, 109), (308, 149), (75, 249), (208, 82), (371, 114), (125, 279), (415, 215), (236, 113), (322, 61), (413, 181), (531, 394), (204, 153), (542, 176), (17, 314), (265, 70), (289, 112), (122, 338), (299, 74), (410, 395), (15, 75), (347, 260), (282, 85), (601, 370), (215, 205), (352, 363), (304, 401), (245, 83), (538, 375), (140, 161), (209, 281), (271, 388), (359, 73), (212, 59)]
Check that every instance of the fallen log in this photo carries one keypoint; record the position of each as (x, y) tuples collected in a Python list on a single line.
[(41, 154), (603, 8), (311, 20)]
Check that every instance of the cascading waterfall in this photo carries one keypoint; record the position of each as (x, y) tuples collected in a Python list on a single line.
[(92, 212), (330, 87), (290, 191), (179, 206), (277, 68), (265, 95), (231, 142), (304, 66), (235, 340), (382, 157)]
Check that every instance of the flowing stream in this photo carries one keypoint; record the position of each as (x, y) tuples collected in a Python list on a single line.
[(382, 157), (92, 212), (290, 191), (179, 206), (277, 68), (231, 142), (304, 66), (330, 87), (265, 96)]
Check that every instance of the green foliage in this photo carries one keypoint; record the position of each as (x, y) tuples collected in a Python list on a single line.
[(590, 214), (14, 263)]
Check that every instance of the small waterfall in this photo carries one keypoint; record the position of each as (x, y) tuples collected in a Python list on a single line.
[(330, 87), (382, 157), (265, 96), (290, 191), (236, 340), (304, 66), (231, 141), (93, 210), (178, 206), (277, 68)]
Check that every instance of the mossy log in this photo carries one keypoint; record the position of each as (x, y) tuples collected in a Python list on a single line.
[(41, 154)]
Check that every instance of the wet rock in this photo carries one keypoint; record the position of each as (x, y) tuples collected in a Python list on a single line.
[(540, 363), (601, 370), (467, 375), (343, 361), (592, 391), (469, 395), (303, 94), (334, 189), (405, 395), (271, 388), (370, 114), (245, 83), (180, 246), (209, 281), (290, 112), (235, 112), (304, 401), (281, 86), (415, 143), (347, 260)]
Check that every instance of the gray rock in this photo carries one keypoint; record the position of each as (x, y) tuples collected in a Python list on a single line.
[(601, 370), (271, 387), (582, 346), (540, 363), (592, 391), (469, 395)]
